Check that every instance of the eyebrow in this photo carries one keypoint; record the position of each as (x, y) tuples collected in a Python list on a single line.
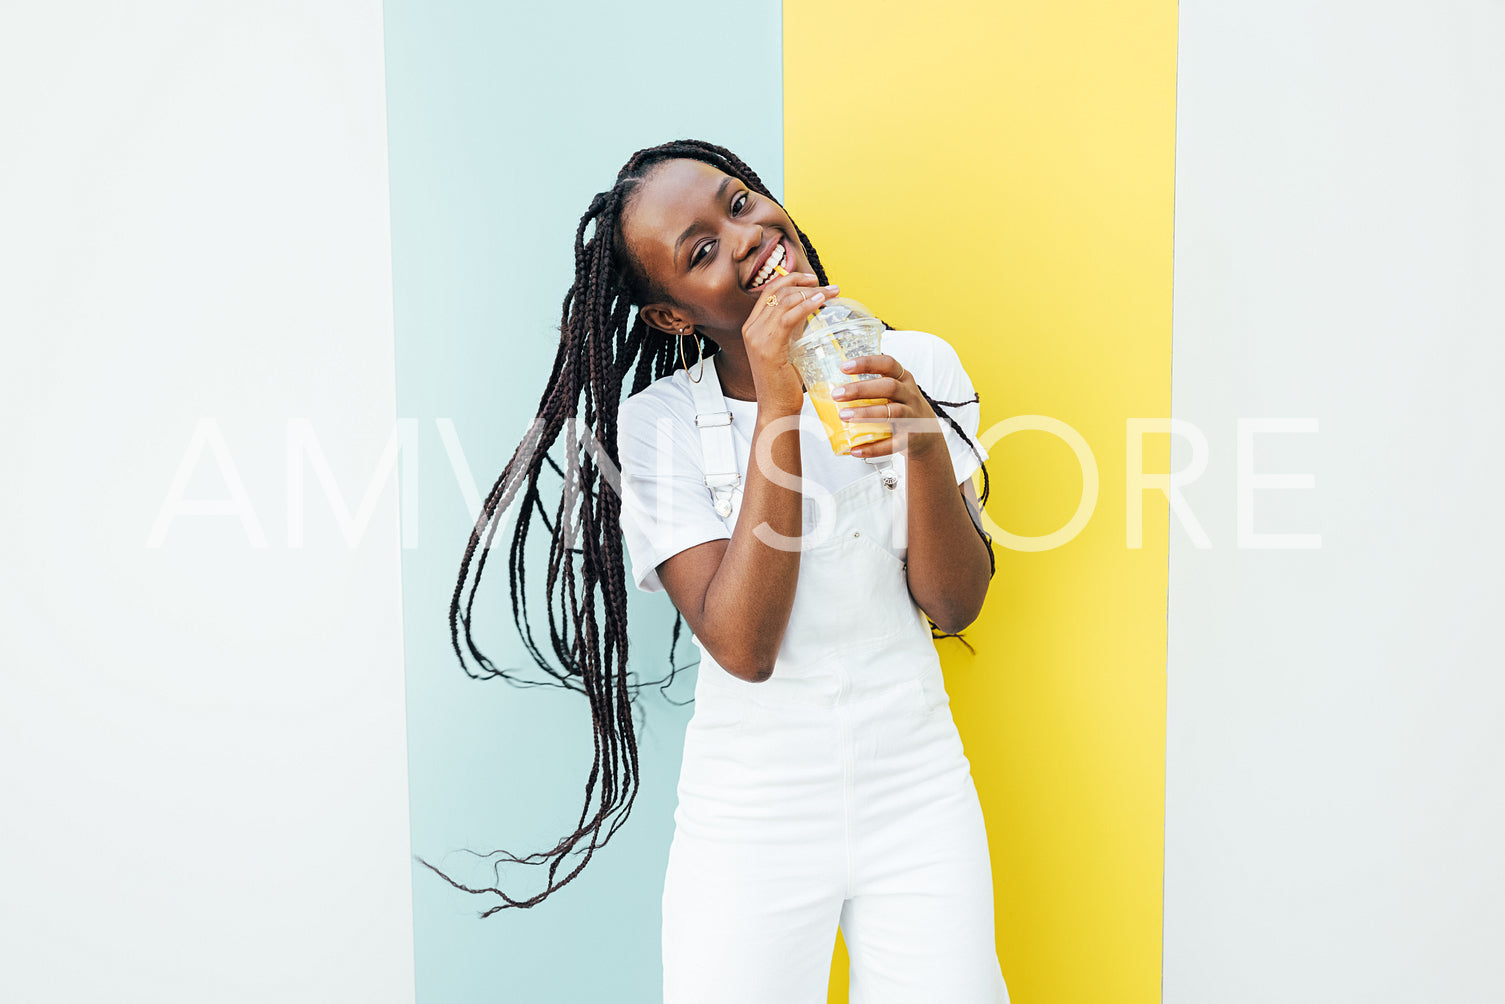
[(720, 190)]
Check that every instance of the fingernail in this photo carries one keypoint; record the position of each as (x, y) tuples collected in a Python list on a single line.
[(845, 413), (849, 365)]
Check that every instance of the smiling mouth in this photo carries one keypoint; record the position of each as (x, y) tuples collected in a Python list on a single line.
[(776, 257)]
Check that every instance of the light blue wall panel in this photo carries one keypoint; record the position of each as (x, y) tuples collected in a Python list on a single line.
[(504, 120)]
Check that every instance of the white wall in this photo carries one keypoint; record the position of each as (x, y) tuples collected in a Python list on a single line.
[(1335, 748), (202, 756)]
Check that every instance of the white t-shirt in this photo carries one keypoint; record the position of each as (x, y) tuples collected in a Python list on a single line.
[(666, 506)]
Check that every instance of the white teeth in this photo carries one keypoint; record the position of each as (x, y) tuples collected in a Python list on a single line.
[(766, 271)]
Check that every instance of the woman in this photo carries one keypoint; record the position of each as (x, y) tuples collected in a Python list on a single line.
[(823, 780)]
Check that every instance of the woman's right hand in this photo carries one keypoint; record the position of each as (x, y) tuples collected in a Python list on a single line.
[(768, 330)]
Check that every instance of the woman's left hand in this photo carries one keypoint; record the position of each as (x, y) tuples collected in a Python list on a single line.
[(903, 400)]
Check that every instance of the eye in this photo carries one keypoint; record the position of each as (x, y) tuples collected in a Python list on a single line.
[(739, 204)]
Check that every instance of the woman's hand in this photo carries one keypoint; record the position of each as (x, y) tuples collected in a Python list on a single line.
[(898, 388), (784, 302)]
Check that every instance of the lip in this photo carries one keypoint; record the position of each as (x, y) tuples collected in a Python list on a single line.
[(763, 257)]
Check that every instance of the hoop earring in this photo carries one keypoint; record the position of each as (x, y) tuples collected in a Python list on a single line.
[(699, 345)]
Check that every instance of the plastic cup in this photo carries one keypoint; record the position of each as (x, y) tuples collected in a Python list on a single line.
[(842, 329)]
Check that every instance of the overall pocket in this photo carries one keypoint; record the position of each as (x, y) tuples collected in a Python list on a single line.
[(716, 713), (928, 696)]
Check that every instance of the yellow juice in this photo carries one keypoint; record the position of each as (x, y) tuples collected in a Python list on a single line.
[(845, 435)]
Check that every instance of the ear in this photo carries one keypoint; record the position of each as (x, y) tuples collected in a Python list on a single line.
[(665, 318)]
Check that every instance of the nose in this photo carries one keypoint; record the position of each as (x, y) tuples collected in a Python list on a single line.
[(748, 239)]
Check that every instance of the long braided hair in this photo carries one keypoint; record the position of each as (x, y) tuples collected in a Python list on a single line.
[(597, 350)]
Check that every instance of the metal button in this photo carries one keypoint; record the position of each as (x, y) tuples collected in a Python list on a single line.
[(857, 533)]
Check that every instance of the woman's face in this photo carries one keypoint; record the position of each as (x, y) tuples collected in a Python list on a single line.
[(706, 238)]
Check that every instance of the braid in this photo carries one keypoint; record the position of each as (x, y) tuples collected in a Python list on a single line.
[(982, 500), (586, 606)]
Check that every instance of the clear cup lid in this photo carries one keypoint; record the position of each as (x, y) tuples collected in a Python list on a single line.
[(836, 316)]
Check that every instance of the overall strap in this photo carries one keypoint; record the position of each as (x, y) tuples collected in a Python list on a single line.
[(715, 424)]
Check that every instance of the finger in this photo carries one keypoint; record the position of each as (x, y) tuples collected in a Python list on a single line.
[(880, 364), (789, 311), (880, 387), (780, 291), (870, 410), (877, 448), (779, 282), (802, 302)]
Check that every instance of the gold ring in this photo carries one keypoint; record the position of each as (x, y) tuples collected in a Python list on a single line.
[(888, 411), (772, 301)]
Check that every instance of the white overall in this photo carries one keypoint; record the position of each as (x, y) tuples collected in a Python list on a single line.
[(835, 792)]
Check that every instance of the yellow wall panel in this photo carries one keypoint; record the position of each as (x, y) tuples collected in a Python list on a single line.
[(1001, 174)]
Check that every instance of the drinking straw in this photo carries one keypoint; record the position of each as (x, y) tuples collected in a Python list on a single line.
[(841, 352)]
